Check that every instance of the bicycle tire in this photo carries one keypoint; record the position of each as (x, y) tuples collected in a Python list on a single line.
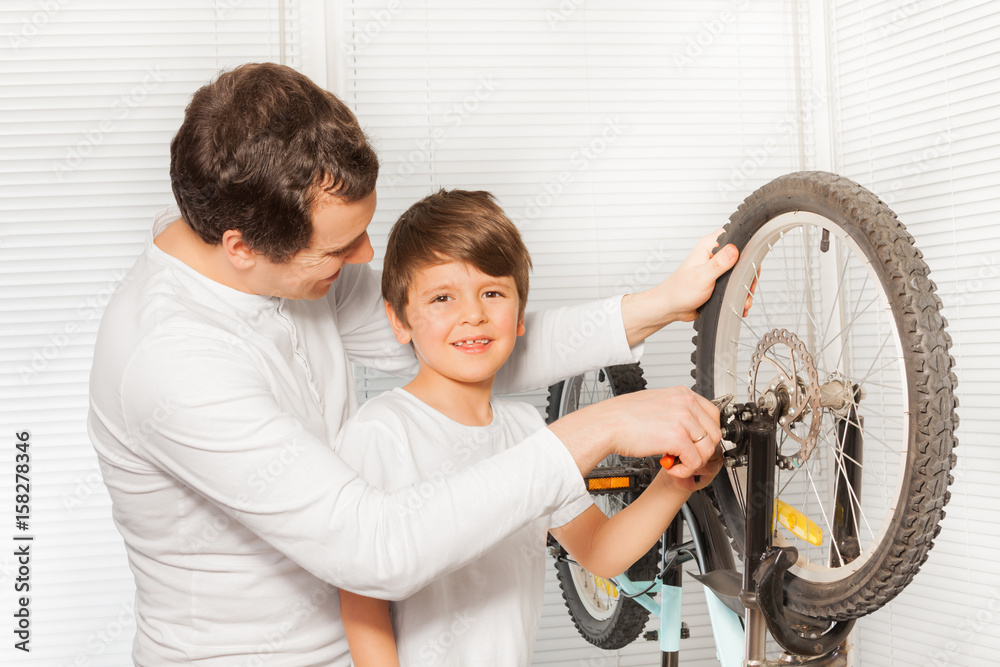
[(602, 617), (862, 573)]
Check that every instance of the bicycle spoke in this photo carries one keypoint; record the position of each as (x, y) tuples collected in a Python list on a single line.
[(791, 283), (842, 470), (826, 520), (846, 328), (864, 410), (791, 477), (882, 482), (836, 297), (894, 387), (743, 321), (872, 436), (856, 314), (876, 357)]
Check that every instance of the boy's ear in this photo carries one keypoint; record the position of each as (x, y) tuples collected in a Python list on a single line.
[(237, 251), (520, 325), (402, 335)]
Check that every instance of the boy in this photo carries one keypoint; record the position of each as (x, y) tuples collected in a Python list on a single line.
[(455, 284)]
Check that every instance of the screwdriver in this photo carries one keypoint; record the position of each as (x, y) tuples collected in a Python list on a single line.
[(669, 460)]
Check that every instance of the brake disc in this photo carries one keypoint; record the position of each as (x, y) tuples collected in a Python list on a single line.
[(800, 381)]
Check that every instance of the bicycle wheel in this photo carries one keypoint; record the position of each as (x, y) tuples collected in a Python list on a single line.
[(843, 315), (601, 615)]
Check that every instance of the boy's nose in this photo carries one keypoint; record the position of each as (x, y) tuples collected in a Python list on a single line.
[(474, 312)]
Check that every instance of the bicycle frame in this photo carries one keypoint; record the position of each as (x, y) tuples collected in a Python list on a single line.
[(759, 593), (706, 533)]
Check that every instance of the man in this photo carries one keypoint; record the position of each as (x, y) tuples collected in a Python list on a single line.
[(222, 375)]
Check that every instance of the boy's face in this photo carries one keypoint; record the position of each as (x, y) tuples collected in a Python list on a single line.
[(462, 322)]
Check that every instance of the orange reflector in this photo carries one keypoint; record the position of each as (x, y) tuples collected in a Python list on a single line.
[(608, 483)]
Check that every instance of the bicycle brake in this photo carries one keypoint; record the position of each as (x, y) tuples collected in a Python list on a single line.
[(722, 402)]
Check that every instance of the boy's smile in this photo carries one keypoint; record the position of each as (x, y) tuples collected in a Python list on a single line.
[(463, 324), (473, 344)]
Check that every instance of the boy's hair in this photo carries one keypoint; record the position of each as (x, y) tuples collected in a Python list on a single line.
[(256, 148), (457, 225)]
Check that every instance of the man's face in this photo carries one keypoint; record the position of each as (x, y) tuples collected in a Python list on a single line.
[(339, 237)]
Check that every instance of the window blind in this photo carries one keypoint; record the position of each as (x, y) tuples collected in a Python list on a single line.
[(615, 134), (93, 91), (915, 118)]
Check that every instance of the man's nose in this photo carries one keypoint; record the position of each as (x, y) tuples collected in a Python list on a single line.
[(362, 253)]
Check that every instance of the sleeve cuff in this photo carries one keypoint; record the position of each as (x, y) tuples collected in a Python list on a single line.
[(564, 515), (621, 338), (571, 481)]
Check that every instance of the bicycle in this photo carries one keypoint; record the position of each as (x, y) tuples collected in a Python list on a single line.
[(838, 434)]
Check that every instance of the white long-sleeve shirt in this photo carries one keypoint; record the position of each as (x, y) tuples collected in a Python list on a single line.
[(213, 412), (487, 612)]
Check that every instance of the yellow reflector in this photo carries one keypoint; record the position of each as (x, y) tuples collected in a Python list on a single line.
[(604, 585), (601, 483), (798, 523)]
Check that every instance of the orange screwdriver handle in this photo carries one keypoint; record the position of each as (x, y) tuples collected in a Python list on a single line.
[(669, 460)]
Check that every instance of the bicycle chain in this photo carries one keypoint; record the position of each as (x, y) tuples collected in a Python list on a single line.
[(802, 398)]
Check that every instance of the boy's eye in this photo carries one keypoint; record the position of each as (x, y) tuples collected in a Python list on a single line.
[(493, 294), (441, 298)]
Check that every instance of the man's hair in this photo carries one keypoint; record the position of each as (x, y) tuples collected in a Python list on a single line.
[(256, 149), (457, 225)]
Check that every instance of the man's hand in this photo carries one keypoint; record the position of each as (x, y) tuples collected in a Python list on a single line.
[(672, 421), (701, 477), (678, 298)]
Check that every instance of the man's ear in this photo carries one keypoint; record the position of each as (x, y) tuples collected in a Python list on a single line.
[(402, 335), (238, 252)]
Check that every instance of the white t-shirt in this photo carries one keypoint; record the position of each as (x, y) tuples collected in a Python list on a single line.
[(213, 413), (487, 612)]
